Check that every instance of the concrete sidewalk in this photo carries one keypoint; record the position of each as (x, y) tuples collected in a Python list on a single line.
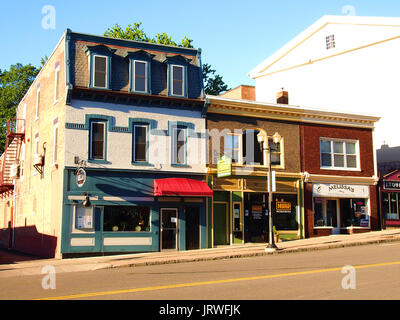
[(25, 265)]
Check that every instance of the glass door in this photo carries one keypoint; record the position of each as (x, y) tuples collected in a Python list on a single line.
[(169, 226), (332, 212)]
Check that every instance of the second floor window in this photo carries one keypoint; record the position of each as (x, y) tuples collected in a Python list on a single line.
[(177, 80), (140, 143), (56, 83), (337, 154), (97, 141), (140, 76), (179, 146), (232, 147), (100, 71)]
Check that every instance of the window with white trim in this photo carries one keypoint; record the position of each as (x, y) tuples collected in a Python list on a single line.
[(100, 65), (178, 80), (55, 143), (140, 76), (140, 143), (232, 147), (179, 145), (97, 140), (37, 103), (339, 154), (56, 83)]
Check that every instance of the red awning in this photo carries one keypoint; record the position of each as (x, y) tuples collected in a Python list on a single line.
[(181, 187)]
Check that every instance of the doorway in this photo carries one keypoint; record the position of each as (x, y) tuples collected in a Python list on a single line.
[(168, 230), (220, 223), (192, 216)]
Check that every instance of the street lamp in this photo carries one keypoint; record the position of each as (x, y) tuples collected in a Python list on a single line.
[(262, 138)]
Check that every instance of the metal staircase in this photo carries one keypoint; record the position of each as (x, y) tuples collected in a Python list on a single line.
[(11, 156)]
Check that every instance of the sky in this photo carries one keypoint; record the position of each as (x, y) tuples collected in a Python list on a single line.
[(234, 35)]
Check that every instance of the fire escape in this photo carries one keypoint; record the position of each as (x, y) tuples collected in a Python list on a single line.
[(10, 159)]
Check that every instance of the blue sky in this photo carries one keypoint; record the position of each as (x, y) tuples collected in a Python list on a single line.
[(235, 35)]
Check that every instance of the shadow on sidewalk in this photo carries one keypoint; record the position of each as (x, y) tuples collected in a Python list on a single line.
[(11, 256)]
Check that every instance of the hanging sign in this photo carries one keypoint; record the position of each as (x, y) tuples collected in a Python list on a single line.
[(224, 167), (80, 177)]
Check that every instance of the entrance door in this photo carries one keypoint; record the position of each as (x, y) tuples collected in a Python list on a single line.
[(169, 225), (192, 216), (220, 223), (332, 212)]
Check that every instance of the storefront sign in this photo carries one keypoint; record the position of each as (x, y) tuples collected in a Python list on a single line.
[(224, 167), (283, 206), (80, 177), (340, 190), (391, 185)]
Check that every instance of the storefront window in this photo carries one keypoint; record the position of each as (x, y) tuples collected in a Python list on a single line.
[(84, 218), (126, 218), (390, 205), (325, 213), (285, 215), (353, 212)]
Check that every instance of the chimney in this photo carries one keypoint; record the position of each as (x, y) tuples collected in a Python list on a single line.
[(282, 97)]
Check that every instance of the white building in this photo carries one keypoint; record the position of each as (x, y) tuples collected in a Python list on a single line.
[(341, 63)]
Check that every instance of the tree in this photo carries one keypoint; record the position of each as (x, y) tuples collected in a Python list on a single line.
[(14, 83), (213, 83)]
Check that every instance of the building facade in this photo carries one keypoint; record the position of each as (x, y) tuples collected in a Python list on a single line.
[(127, 165), (339, 63)]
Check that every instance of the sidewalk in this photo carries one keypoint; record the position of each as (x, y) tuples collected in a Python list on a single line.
[(14, 264)]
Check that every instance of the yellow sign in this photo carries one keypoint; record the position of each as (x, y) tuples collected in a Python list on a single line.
[(224, 167), (283, 206)]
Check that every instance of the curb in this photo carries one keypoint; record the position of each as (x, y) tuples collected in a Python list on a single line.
[(251, 254)]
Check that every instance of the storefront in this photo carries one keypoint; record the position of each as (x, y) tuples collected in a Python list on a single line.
[(120, 211), (389, 190), (238, 211), (340, 208)]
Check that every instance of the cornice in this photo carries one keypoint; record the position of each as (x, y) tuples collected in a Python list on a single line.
[(256, 109), (319, 178)]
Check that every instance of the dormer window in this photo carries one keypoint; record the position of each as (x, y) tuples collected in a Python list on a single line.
[(99, 66), (139, 71), (140, 76), (177, 80), (177, 75), (100, 72)]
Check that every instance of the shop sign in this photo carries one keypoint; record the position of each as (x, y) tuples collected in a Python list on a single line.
[(224, 167), (391, 185), (80, 177), (340, 190), (283, 206)]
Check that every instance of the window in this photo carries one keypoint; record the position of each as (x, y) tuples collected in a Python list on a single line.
[(97, 140), (330, 42), (37, 102), (179, 145), (252, 152), (336, 154), (140, 143), (100, 71), (22, 160), (56, 83), (275, 150), (232, 147), (126, 218), (177, 80), (55, 143), (140, 76), (390, 205), (325, 212), (36, 150)]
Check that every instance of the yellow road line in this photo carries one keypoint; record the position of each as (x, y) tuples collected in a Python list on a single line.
[(202, 283)]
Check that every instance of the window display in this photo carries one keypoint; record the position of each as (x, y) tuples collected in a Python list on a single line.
[(126, 218)]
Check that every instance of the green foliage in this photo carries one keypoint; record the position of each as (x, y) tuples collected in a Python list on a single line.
[(13, 85), (213, 83)]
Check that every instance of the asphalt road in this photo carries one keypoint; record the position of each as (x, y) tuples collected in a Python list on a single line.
[(314, 275)]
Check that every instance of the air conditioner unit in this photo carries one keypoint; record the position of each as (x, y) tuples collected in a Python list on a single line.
[(14, 171), (37, 159)]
